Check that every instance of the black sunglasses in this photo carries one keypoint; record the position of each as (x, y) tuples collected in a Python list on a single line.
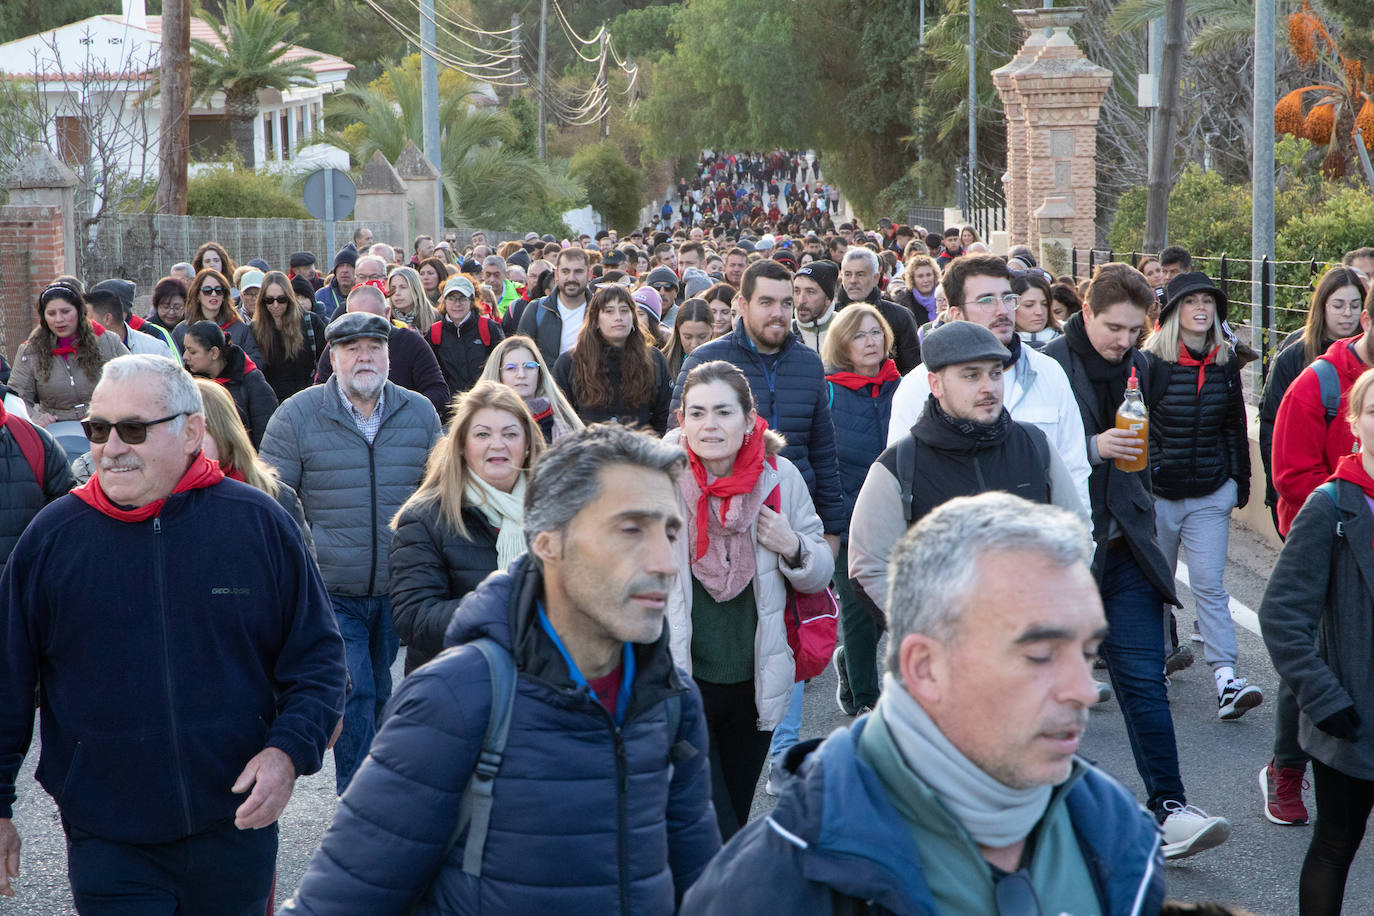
[(131, 432), (1015, 895), (213, 290), (664, 287), (276, 300)]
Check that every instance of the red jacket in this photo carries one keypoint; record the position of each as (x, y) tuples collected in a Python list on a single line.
[(1306, 448)]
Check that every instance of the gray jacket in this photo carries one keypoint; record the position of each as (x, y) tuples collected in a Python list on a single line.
[(350, 490)]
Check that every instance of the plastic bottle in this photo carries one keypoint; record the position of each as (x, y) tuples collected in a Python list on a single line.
[(1132, 415)]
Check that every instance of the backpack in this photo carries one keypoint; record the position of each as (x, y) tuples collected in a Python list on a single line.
[(29, 444), (436, 331), (1330, 381), (474, 811), (905, 460), (812, 617)]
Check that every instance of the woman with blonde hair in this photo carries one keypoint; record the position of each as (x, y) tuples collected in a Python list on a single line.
[(408, 301), (466, 519), (517, 363)]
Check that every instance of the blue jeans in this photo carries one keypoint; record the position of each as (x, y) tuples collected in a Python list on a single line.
[(370, 646), (1134, 652), (785, 735)]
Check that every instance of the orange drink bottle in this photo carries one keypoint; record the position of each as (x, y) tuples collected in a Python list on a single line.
[(1132, 415)]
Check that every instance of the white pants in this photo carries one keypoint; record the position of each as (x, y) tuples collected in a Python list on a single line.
[(1201, 525)]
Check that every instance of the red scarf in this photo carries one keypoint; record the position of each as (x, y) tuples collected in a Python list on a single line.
[(1351, 469), (856, 382), (542, 415), (233, 473), (1187, 359), (202, 473), (67, 348), (136, 322), (743, 476)]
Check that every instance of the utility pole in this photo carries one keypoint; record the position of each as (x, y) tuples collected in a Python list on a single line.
[(174, 141), (543, 71), (601, 83), (1162, 160), (972, 92), (515, 45), (921, 24), (1262, 161), (429, 93)]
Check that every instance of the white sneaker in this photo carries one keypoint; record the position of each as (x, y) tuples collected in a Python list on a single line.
[(776, 777), (1237, 697), (1189, 830)]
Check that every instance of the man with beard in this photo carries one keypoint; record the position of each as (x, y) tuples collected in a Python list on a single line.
[(354, 449), (964, 443), (813, 292), (1037, 390), (788, 381), (554, 321), (859, 283)]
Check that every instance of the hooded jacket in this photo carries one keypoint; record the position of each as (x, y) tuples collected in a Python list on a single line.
[(1306, 447), (412, 365), (252, 395), (906, 346), (23, 496), (65, 389), (792, 396), (835, 844), (588, 817)]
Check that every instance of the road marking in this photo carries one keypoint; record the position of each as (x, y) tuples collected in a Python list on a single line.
[(1239, 612)]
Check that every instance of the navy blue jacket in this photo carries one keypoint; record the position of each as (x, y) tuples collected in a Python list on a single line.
[(21, 495), (834, 833), (792, 397), (860, 434), (165, 673), (587, 818)]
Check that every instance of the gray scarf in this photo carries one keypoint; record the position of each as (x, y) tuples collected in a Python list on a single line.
[(993, 814)]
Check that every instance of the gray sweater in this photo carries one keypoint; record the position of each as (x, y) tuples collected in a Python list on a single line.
[(350, 490)]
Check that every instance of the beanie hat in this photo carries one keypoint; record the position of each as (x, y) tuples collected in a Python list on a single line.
[(346, 256), (124, 289), (823, 274), (695, 281), (662, 276), (647, 298)]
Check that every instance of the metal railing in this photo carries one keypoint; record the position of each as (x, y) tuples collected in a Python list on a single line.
[(984, 201), (932, 218)]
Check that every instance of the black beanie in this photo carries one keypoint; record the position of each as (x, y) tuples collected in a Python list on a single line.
[(824, 274)]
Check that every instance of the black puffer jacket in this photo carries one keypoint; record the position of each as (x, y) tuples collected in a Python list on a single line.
[(461, 352), (21, 496), (651, 415), (432, 570), (252, 395), (1197, 431)]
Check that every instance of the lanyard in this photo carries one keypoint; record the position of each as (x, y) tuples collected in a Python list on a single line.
[(627, 675)]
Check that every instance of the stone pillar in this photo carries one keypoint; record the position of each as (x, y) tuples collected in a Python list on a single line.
[(422, 190), (43, 180), (1052, 219), (37, 240), (259, 141), (1056, 94), (382, 197), (292, 133)]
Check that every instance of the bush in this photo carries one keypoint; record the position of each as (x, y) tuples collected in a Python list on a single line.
[(226, 191), (614, 189)]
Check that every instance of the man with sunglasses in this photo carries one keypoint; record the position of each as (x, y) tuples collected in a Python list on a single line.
[(978, 288), (962, 792), (181, 694)]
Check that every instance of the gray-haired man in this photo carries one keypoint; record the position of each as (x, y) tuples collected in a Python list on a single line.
[(963, 791), (602, 793)]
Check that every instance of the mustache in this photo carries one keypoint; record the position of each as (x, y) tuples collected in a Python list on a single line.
[(122, 463)]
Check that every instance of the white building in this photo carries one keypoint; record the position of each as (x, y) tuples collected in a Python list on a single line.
[(103, 65)]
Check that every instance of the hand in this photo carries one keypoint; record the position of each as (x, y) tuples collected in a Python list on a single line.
[(1119, 443), (43, 418), (833, 542), (775, 534), (272, 776), (1343, 724), (9, 853)]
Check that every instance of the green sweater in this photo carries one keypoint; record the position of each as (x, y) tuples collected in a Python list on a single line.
[(723, 636), (960, 879)]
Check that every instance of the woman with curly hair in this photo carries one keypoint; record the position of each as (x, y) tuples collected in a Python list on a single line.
[(57, 367), (615, 372), (212, 256)]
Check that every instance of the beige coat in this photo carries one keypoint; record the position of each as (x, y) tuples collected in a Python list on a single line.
[(774, 671), (65, 391)]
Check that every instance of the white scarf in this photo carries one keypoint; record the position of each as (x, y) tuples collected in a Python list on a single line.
[(994, 814), (505, 511)]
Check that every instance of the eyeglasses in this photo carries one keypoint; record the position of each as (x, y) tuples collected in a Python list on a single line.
[(131, 432), (515, 367), (1010, 300), (212, 291), (1015, 895), (276, 300)]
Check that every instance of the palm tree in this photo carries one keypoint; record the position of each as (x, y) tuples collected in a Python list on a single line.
[(488, 180), (247, 58)]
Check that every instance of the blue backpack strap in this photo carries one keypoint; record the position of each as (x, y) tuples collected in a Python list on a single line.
[(474, 812), (1330, 382), (1328, 490)]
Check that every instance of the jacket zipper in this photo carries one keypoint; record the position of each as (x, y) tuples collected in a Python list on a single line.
[(372, 484), (167, 674), (622, 777)]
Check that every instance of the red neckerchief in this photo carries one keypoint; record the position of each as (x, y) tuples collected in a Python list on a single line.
[(233, 473), (744, 474), (65, 349), (856, 382), (1187, 359), (1351, 469), (542, 415), (136, 322), (202, 473)]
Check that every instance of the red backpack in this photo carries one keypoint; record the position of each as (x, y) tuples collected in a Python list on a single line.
[(812, 617), (436, 331), (29, 443)]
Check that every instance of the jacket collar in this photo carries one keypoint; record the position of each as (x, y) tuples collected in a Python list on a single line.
[(333, 405)]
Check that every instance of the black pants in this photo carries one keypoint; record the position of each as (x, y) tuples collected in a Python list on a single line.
[(738, 750), (1343, 806), (222, 871)]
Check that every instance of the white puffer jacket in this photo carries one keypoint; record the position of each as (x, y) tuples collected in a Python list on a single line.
[(774, 671)]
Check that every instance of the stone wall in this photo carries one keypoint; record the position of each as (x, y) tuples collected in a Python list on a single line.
[(32, 253)]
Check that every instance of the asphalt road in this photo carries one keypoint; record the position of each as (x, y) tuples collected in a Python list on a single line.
[(1256, 869)]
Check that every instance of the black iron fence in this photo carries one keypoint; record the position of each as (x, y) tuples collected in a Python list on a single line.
[(932, 219), (984, 200)]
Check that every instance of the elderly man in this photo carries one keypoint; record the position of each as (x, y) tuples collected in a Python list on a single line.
[(411, 361), (181, 697), (859, 283), (502, 287), (602, 801), (354, 449), (962, 792)]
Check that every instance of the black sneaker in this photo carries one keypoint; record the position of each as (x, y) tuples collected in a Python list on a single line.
[(1178, 659), (844, 697), (1237, 698)]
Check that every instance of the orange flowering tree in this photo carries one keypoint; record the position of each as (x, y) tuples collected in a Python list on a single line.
[(1327, 112)]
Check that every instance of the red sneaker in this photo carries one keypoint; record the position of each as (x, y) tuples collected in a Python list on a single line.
[(1282, 788)]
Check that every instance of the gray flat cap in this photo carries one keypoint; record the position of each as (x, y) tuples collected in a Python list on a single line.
[(353, 325), (961, 342)]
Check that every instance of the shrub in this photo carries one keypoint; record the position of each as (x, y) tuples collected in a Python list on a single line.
[(614, 189), (226, 191)]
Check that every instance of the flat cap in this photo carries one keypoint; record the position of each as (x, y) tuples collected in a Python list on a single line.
[(961, 342), (302, 259), (353, 325)]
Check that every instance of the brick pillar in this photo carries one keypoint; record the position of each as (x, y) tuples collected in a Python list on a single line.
[(36, 241), (1052, 144)]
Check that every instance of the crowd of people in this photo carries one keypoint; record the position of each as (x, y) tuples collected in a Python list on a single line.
[(612, 493)]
